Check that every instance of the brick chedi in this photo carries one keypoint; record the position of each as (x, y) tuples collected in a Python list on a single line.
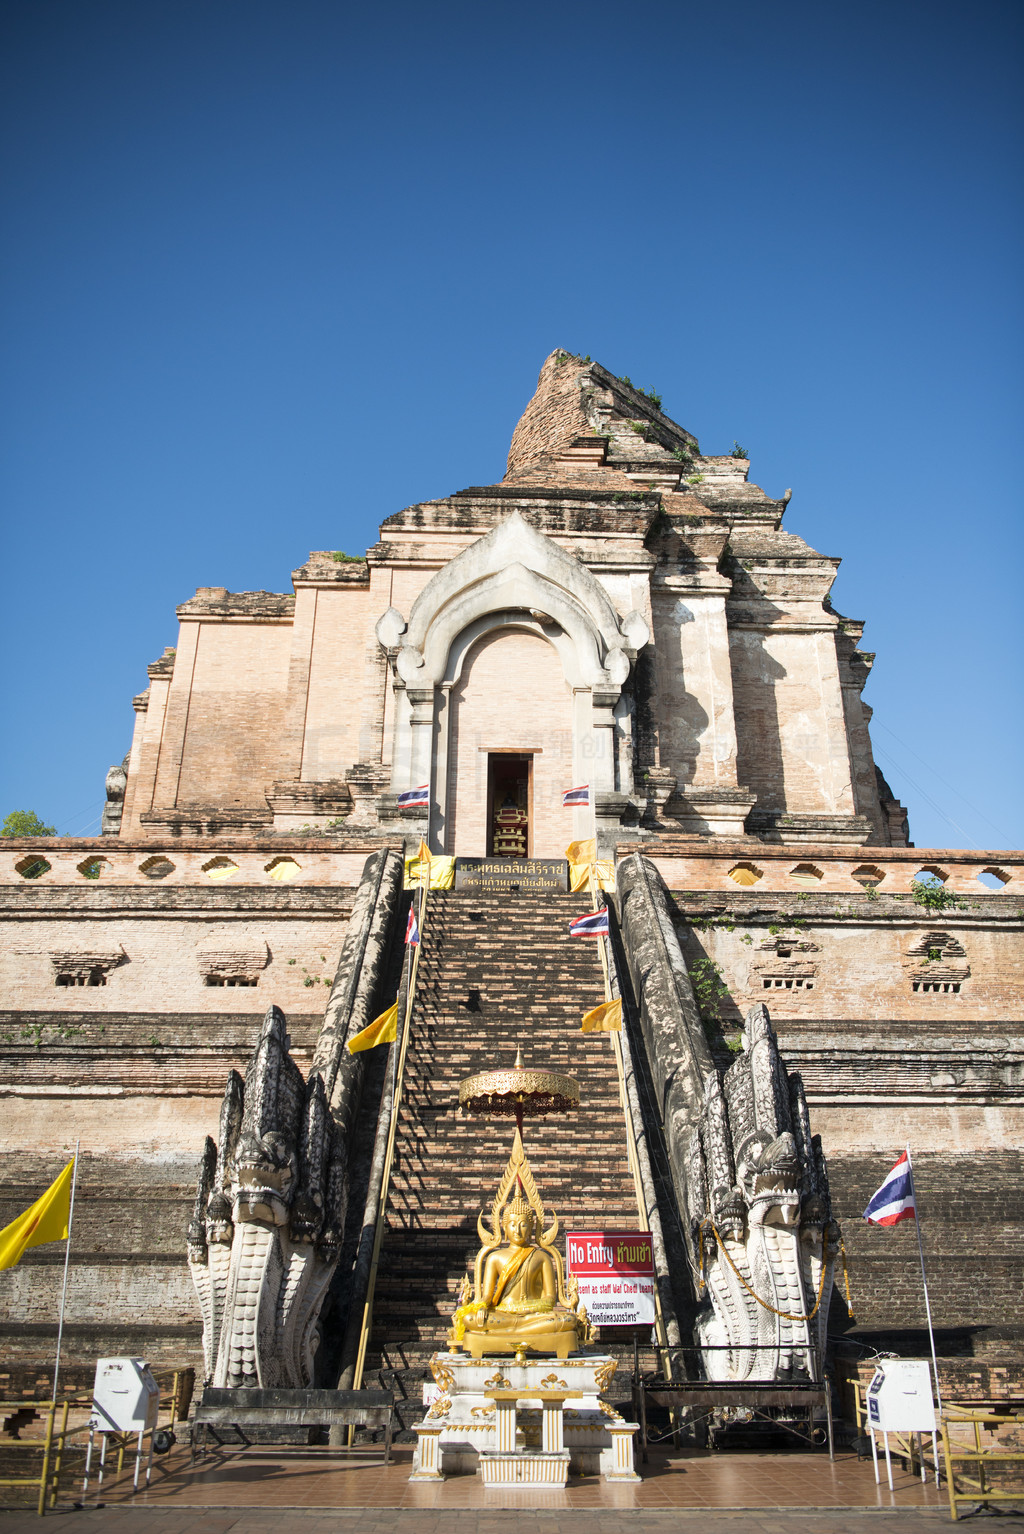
[(620, 611), (620, 607)]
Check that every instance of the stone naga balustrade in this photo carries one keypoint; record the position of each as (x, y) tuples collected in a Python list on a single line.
[(265, 1236), (761, 1217)]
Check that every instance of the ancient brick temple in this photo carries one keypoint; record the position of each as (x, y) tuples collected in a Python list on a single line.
[(620, 611)]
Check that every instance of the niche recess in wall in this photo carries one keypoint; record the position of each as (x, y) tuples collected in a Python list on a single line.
[(220, 868), (94, 868), (746, 874), (32, 868), (229, 961), (157, 867), (786, 965), (283, 869), (84, 967), (939, 966)]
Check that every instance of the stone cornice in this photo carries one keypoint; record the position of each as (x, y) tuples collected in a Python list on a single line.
[(322, 569), (214, 604), (176, 901)]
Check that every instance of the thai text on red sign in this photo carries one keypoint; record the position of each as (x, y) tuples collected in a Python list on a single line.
[(610, 1253)]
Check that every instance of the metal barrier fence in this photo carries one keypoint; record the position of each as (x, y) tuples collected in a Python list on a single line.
[(57, 1435), (978, 1488), (52, 1446), (961, 1487)]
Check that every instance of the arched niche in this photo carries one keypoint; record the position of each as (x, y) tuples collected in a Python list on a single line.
[(509, 705)]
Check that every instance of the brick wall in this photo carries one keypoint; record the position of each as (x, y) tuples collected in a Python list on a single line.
[(791, 726), (235, 716), (971, 1209), (342, 631), (862, 956), (161, 972), (553, 417)]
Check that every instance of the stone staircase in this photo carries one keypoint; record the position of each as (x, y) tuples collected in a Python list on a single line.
[(496, 971)]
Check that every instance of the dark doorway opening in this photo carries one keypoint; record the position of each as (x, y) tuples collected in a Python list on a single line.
[(509, 784)]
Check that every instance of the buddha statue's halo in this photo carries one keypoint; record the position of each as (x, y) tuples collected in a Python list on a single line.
[(516, 1188)]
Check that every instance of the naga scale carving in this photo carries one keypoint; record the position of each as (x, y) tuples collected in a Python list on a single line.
[(761, 1218), (265, 1234)]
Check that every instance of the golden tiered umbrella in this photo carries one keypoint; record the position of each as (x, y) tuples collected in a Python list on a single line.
[(519, 1093)]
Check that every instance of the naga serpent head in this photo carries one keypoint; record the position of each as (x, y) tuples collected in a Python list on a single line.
[(264, 1177), (307, 1215), (219, 1225), (769, 1175)]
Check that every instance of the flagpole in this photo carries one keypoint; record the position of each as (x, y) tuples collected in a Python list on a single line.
[(924, 1282), (67, 1259)]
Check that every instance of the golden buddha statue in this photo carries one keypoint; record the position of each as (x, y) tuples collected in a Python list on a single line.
[(518, 1300)]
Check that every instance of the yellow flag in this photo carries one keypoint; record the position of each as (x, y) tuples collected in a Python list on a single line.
[(579, 876), (442, 872), (582, 852), (383, 1030), (607, 1018), (46, 1220), (423, 854)]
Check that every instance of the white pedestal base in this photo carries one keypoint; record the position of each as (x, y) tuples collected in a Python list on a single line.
[(525, 1467), (474, 1417)]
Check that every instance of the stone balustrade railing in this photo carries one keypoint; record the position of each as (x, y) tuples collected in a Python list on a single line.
[(755, 867), (109, 860)]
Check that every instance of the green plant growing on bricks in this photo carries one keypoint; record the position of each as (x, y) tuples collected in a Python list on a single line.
[(933, 895), (708, 987)]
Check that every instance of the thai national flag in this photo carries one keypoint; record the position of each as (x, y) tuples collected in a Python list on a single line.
[(894, 1200), (414, 796), (574, 796), (594, 924), (412, 931)]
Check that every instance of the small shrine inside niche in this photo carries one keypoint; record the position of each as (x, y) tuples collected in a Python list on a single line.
[(510, 813)]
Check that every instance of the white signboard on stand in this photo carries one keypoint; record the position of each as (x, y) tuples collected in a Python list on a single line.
[(900, 1396), (899, 1400)]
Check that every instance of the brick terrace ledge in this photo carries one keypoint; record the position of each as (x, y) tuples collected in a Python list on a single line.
[(194, 860), (695, 863)]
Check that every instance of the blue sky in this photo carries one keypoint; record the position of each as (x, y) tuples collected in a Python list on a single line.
[(273, 271)]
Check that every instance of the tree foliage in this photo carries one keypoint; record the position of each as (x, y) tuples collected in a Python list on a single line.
[(25, 823)]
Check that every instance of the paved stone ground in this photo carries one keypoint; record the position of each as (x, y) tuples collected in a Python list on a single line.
[(166, 1520), (234, 1491)]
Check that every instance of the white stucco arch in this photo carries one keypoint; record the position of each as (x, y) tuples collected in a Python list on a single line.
[(515, 589), (514, 576), (514, 542)]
